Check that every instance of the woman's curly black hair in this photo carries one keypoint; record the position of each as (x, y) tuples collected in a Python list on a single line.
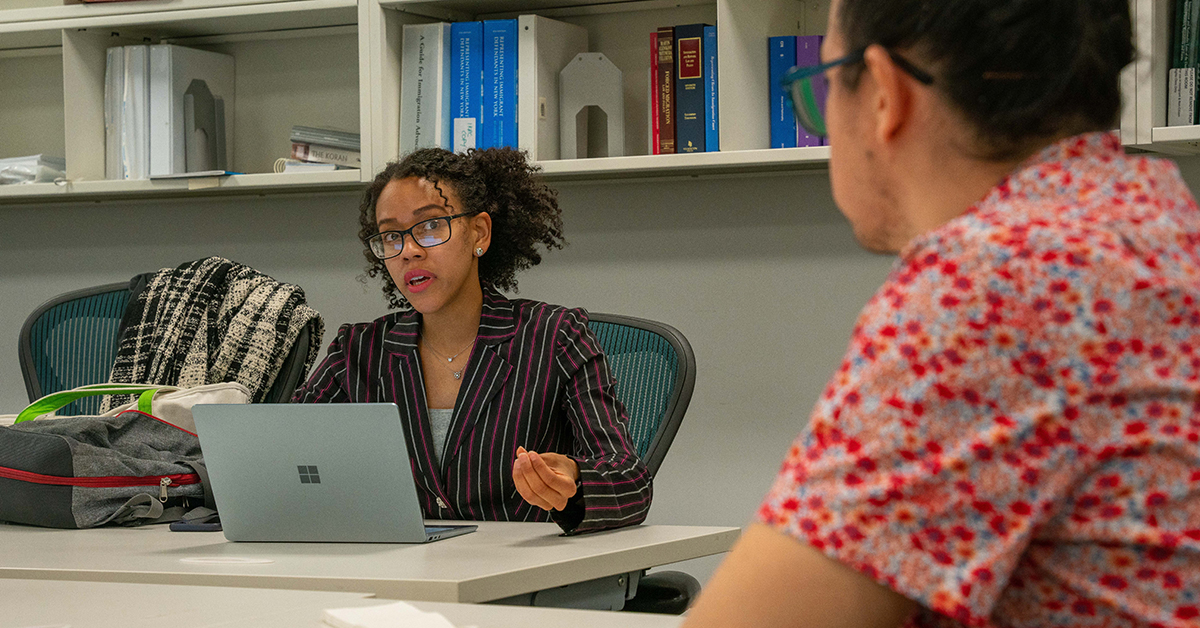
[(499, 181)]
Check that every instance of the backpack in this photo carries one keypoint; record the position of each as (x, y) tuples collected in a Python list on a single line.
[(127, 467)]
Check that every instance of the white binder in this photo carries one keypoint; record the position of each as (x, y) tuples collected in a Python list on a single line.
[(545, 47), (172, 70)]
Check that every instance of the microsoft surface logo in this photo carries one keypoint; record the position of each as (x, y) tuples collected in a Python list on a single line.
[(309, 474)]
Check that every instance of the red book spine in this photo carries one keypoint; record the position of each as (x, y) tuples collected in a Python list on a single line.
[(654, 129), (666, 90)]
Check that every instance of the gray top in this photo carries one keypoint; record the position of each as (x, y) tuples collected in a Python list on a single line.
[(439, 424)]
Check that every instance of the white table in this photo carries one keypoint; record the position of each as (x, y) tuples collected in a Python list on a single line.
[(497, 561), (120, 605)]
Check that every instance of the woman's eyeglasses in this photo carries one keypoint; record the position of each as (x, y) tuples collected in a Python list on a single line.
[(427, 233), (806, 87)]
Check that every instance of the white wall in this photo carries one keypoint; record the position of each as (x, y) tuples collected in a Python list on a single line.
[(760, 273)]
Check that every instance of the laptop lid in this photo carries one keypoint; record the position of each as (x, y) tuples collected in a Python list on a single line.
[(311, 472)]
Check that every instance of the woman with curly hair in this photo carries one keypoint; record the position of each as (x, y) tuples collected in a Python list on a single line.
[(507, 404)]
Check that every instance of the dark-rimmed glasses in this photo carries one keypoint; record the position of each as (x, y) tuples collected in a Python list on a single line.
[(807, 86), (427, 233)]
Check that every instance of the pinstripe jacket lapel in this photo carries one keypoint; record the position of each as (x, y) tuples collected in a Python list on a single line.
[(487, 371), (408, 391)]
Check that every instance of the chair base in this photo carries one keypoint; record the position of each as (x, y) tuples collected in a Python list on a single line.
[(665, 593)]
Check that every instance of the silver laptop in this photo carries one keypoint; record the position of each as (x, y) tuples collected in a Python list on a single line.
[(313, 472)]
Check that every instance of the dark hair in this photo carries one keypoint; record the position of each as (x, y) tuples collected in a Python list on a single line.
[(1020, 71), (499, 181)]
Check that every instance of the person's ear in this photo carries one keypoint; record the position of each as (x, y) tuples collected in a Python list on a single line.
[(893, 101), (481, 225)]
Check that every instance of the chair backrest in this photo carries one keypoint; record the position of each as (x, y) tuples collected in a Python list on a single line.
[(292, 373), (71, 340), (655, 371)]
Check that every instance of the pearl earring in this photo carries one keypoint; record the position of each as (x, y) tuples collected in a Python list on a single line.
[(479, 251)]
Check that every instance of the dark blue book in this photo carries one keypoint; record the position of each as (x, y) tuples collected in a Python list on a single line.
[(499, 84), (466, 84), (783, 121), (808, 53), (712, 126), (689, 88)]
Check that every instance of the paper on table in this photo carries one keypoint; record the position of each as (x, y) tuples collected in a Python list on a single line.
[(395, 615)]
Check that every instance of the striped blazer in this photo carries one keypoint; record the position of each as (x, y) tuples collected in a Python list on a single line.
[(537, 378)]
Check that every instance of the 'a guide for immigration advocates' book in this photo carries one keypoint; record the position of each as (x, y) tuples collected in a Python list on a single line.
[(425, 87)]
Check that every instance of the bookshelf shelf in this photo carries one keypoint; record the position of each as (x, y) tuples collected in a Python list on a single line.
[(53, 10), (208, 20), (1176, 140), (487, 9), (694, 164), (235, 184)]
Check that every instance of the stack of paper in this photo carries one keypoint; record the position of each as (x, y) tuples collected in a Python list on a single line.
[(32, 169), (397, 615)]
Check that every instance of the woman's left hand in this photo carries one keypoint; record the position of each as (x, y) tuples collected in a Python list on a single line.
[(545, 480)]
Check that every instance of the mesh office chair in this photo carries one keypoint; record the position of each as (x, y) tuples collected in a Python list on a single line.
[(655, 371), (71, 340)]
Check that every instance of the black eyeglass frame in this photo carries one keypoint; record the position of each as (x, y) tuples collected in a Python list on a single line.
[(799, 73), (409, 232)]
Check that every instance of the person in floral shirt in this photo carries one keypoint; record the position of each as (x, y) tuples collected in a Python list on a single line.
[(1013, 437)]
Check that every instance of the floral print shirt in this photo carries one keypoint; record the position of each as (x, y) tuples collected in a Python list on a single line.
[(1013, 438)]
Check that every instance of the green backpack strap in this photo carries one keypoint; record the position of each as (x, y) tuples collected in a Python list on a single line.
[(54, 401)]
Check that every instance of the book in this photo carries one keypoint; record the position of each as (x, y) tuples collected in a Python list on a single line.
[(344, 140), (136, 141), (500, 57), (655, 149), (712, 105), (808, 52), (544, 48), (1185, 61), (466, 84), (191, 109), (689, 88), (666, 90), (326, 155), (114, 87), (782, 51), (284, 164), (425, 87)]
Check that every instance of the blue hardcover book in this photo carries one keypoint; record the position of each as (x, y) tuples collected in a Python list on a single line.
[(689, 89), (499, 83), (783, 121), (466, 84), (808, 52), (712, 135)]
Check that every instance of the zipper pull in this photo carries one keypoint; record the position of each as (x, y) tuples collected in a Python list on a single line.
[(162, 489)]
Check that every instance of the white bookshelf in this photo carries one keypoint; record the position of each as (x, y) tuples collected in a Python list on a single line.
[(336, 63)]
